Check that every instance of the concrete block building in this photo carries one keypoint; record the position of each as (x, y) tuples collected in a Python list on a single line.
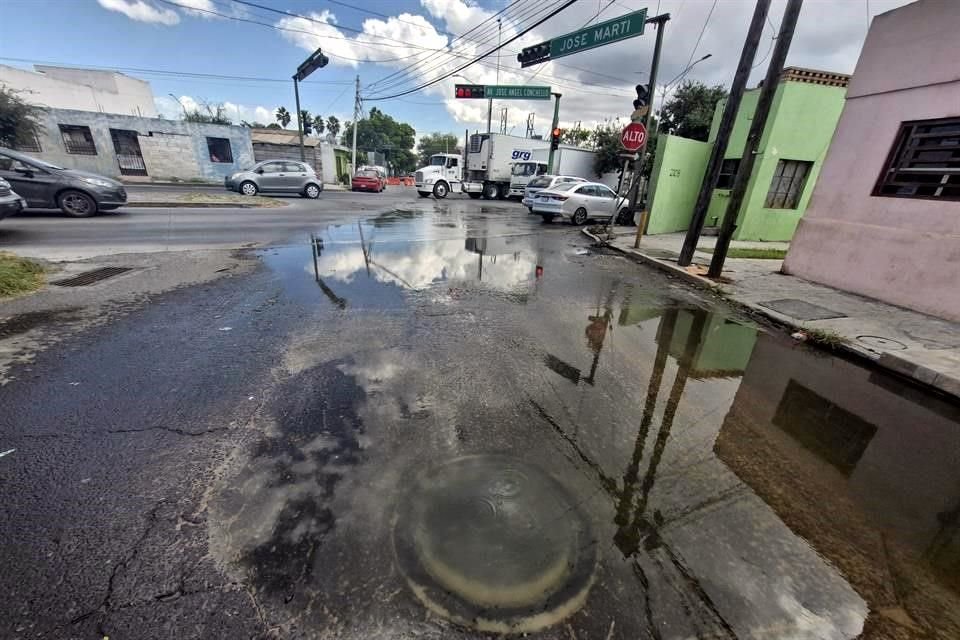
[(83, 89)]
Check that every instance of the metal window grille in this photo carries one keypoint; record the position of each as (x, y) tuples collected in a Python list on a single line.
[(78, 140), (30, 144), (219, 149), (728, 171), (924, 161), (787, 184)]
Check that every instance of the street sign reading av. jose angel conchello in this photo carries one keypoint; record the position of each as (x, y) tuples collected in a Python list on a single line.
[(597, 35), (502, 92)]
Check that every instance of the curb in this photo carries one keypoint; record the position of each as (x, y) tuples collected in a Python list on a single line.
[(891, 362), (196, 205)]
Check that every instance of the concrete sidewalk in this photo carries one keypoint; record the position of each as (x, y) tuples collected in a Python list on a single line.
[(921, 347)]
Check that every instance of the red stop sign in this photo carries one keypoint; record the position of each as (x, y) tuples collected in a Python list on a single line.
[(634, 136)]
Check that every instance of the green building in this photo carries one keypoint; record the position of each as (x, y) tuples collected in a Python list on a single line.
[(803, 117)]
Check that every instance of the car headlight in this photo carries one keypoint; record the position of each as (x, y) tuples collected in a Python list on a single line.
[(97, 182), (429, 180)]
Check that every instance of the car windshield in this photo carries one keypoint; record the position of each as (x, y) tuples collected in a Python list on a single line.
[(368, 174), (438, 161), (566, 186), (525, 169), (543, 181), (35, 162)]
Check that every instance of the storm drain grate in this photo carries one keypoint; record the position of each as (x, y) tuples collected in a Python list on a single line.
[(91, 277), (801, 310)]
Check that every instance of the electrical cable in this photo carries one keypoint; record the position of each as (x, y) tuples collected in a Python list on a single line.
[(702, 31)]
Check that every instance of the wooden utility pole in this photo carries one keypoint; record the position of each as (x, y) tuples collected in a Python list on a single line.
[(764, 102), (723, 131)]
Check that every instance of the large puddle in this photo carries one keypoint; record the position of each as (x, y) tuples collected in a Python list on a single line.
[(486, 427)]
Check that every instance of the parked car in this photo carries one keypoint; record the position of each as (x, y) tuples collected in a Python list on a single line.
[(276, 176), (577, 201), (46, 186), (10, 202), (368, 180), (540, 183)]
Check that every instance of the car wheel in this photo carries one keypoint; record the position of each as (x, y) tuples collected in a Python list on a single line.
[(547, 217), (579, 217), (312, 191), (423, 194), (440, 190), (490, 191), (248, 188), (530, 209), (474, 196), (77, 204)]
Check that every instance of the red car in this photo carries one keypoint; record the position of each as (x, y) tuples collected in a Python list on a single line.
[(368, 180)]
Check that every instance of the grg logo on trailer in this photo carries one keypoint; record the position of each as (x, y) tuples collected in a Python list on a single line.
[(520, 154)]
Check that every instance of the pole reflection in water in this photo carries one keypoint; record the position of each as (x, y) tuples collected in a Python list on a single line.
[(316, 245)]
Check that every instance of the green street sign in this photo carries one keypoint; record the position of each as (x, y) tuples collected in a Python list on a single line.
[(516, 92), (626, 26)]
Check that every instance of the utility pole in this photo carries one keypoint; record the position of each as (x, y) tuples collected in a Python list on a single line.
[(723, 132), (356, 120), (503, 120), (556, 121), (639, 164), (764, 102), (296, 93), (530, 125)]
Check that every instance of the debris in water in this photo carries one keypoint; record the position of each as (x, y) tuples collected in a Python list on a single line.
[(799, 335), (7, 452), (226, 328), (582, 252)]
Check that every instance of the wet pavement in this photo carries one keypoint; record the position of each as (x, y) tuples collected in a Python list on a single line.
[(451, 421)]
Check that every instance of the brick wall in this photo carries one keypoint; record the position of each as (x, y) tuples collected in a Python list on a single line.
[(169, 155)]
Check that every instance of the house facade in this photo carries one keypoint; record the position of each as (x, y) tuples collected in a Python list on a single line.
[(135, 148), (803, 116), (884, 219)]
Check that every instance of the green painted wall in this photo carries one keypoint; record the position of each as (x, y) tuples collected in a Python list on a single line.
[(676, 176), (723, 348)]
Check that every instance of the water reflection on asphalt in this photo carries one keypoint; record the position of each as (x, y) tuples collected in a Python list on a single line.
[(715, 480)]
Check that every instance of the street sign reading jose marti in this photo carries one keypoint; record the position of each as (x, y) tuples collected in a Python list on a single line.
[(597, 35), (502, 92)]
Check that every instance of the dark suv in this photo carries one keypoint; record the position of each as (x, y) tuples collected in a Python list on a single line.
[(46, 186)]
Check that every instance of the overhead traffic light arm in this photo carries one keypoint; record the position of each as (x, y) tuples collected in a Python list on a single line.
[(536, 54)]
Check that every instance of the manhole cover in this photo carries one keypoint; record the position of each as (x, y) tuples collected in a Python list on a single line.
[(879, 342), (801, 310), (91, 277), (495, 544)]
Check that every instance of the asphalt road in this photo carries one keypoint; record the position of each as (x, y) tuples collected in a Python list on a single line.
[(448, 420)]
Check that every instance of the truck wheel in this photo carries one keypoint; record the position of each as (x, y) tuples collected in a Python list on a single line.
[(440, 190), (423, 194), (490, 191), (475, 196), (503, 191), (579, 216)]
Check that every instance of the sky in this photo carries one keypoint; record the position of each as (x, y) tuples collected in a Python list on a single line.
[(398, 45)]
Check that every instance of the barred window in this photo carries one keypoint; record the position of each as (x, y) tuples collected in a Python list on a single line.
[(924, 161), (728, 171), (787, 184), (219, 149), (78, 140), (28, 144)]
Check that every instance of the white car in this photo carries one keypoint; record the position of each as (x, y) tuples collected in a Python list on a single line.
[(540, 183), (577, 201)]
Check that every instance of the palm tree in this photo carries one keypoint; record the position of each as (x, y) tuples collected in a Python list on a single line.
[(318, 125), (283, 116), (333, 125)]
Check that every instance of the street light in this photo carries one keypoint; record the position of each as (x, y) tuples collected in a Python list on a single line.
[(666, 87)]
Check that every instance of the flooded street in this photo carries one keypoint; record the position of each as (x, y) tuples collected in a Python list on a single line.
[(450, 420), (482, 425)]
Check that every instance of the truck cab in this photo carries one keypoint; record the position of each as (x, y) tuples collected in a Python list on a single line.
[(522, 173), (437, 178), (490, 161)]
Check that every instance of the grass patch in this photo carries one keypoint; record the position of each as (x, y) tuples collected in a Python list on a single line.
[(825, 338), (756, 254), (230, 198), (19, 275)]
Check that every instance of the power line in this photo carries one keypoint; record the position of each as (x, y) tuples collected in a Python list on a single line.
[(565, 5), (702, 31)]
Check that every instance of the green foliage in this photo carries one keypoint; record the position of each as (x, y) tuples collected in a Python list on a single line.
[(253, 125), (19, 120), (333, 126), (689, 112), (273, 125), (283, 116), (437, 142), (318, 125), (576, 137), (18, 275), (306, 121), (380, 132), (208, 114), (606, 140)]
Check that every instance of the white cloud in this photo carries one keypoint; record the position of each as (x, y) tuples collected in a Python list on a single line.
[(141, 11), (170, 108)]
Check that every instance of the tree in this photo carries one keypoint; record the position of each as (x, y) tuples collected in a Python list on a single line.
[(306, 121), (19, 120), (252, 125), (575, 136), (689, 112), (606, 140), (333, 126), (380, 132), (318, 125), (209, 114), (437, 143), (283, 116), (273, 125)]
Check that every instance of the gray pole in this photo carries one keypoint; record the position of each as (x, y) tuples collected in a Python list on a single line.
[(638, 165), (296, 94), (556, 121), (723, 132), (356, 118), (764, 102)]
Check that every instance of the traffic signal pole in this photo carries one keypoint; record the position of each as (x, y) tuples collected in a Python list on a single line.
[(638, 165), (296, 93), (556, 121)]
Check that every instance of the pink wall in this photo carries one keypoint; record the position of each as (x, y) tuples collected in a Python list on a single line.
[(900, 250)]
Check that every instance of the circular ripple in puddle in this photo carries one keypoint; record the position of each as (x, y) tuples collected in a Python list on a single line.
[(493, 543)]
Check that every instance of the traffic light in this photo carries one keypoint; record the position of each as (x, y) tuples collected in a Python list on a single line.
[(469, 90), (317, 60), (536, 54), (642, 96), (555, 138)]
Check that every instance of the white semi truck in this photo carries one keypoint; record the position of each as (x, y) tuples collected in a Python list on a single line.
[(568, 160), (440, 176), (490, 160)]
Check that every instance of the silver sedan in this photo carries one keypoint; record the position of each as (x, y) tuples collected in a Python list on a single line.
[(577, 201), (277, 176)]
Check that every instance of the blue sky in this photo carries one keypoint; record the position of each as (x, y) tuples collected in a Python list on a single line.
[(597, 85)]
